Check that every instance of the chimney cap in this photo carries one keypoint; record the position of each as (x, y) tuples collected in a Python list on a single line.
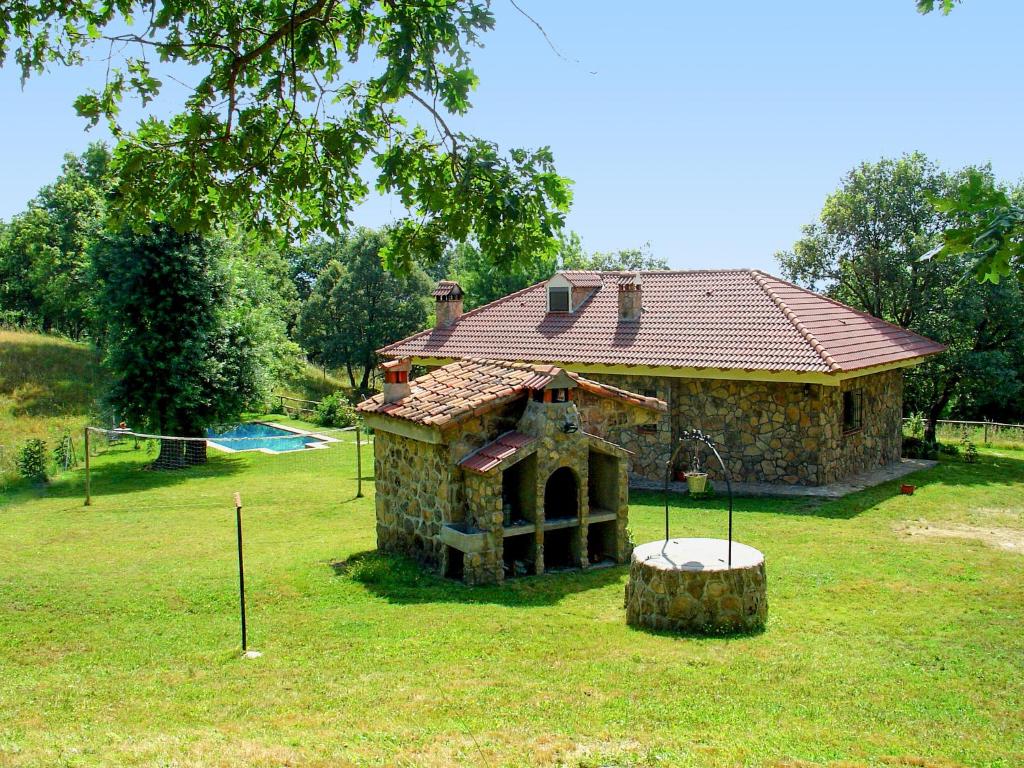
[(402, 364), (447, 290), (628, 281)]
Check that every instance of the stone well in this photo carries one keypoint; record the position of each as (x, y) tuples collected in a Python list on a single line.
[(686, 585)]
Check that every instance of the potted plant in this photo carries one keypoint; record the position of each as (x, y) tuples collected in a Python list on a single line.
[(696, 477)]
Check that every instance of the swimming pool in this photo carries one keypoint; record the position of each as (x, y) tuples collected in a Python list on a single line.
[(267, 438)]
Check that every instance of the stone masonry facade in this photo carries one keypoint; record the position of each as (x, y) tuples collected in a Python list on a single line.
[(420, 488), (766, 432), (419, 474)]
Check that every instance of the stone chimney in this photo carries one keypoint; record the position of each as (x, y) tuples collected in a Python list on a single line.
[(448, 303), (630, 296), (396, 379)]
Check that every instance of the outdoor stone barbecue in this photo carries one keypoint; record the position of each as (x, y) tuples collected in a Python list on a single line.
[(485, 470)]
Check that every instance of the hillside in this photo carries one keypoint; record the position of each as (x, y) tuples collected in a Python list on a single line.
[(48, 386)]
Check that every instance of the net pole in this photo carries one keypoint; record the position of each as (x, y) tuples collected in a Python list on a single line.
[(359, 463), (88, 493)]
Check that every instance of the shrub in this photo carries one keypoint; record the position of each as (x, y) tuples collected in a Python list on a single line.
[(970, 451), (335, 411), (917, 448), (32, 460), (949, 449), (915, 425)]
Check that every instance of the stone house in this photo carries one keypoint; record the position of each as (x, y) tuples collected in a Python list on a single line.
[(794, 387), (486, 470)]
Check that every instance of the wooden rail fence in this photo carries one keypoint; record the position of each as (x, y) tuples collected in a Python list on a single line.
[(299, 409)]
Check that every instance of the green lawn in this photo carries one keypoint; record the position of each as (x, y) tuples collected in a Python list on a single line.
[(888, 642)]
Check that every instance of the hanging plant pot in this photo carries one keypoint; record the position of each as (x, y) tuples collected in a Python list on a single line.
[(697, 482)]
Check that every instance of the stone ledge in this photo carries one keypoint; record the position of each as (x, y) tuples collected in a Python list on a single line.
[(838, 490)]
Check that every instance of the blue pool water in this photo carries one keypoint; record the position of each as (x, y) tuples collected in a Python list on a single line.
[(255, 436)]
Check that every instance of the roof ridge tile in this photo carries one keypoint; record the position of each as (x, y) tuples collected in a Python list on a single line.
[(790, 315)]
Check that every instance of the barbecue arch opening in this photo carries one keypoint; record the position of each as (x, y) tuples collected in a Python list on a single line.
[(561, 495)]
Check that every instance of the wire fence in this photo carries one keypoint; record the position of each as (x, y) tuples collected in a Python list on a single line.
[(990, 433)]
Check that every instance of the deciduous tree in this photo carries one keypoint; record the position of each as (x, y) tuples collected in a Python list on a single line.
[(292, 102), (359, 306), (44, 252), (866, 250)]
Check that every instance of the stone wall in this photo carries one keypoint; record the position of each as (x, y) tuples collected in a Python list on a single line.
[(879, 440), (645, 434), (766, 431), (483, 513), (414, 493)]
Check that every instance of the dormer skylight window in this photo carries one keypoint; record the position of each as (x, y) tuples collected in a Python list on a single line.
[(558, 299)]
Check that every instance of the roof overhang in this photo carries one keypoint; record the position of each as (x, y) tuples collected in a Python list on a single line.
[(402, 427), (728, 374)]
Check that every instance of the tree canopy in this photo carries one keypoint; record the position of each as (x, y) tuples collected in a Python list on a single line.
[(44, 251), (358, 306), (866, 250), (292, 103), (186, 333)]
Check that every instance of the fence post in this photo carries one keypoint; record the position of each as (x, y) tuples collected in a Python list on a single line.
[(241, 567), (359, 463), (985, 441), (88, 494)]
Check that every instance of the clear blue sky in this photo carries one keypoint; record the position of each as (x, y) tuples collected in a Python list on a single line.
[(711, 130)]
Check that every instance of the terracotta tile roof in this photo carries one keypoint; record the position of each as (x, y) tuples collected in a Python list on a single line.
[(584, 278), (462, 388), (496, 451), (446, 288), (713, 319)]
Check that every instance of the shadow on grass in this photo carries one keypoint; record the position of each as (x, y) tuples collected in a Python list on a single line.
[(710, 634), (131, 474), (952, 471), (402, 581)]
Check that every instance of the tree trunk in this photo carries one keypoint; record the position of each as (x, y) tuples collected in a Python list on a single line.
[(171, 456), (935, 409), (195, 452)]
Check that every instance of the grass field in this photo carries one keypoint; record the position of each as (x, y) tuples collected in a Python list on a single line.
[(894, 636), (48, 386)]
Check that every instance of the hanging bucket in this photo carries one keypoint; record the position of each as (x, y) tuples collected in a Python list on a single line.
[(697, 482)]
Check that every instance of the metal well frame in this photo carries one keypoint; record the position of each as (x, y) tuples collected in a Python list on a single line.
[(696, 435)]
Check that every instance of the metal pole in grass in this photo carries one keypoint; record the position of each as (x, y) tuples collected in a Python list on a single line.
[(88, 495), (241, 578), (359, 463)]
